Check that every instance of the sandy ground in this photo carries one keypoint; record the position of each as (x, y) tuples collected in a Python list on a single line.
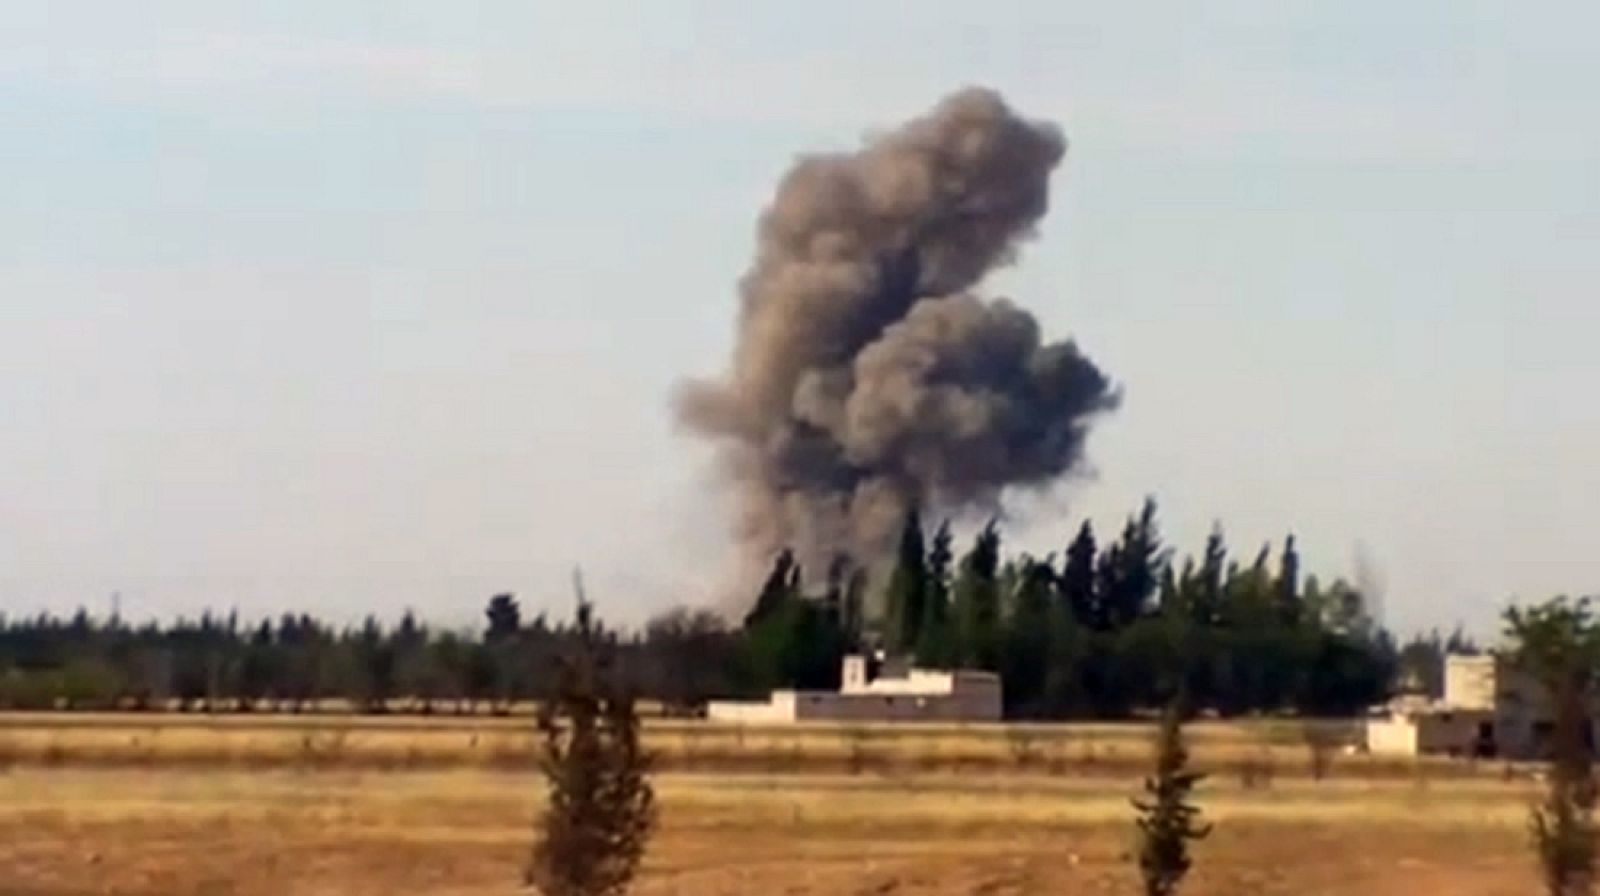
[(465, 833)]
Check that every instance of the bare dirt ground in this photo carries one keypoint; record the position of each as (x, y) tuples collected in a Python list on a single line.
[(186, 832)]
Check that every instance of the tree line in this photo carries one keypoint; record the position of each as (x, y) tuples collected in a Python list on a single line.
[(1103, 630), (298, 663)]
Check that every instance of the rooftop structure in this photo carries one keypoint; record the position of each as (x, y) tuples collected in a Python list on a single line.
[(877, 690)]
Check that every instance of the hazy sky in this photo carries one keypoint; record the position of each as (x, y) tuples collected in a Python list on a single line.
[(358, 306)]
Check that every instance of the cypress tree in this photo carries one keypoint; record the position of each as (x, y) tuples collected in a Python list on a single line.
[(853, 610), (1288, 583), (1168, 821), (908, 586), (1207, 604), (976, 604), (776, 590), (833, 593), (1139, 559), (1026, 654), (601, 808), (504, 617), (934, 640), (1078, 580)]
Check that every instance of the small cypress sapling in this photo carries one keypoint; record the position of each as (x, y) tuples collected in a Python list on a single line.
[(601, 808), (1168, 820)]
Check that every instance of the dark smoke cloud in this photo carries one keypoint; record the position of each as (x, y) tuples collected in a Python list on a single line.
[(866, 377)]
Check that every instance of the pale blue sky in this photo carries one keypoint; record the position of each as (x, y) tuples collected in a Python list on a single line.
[(361, 306)]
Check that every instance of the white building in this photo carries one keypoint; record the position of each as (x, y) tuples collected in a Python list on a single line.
[(874, 691), (1489, 708)]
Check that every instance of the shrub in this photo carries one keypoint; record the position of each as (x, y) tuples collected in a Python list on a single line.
[(1322, 742), (1023, 745), (601, 808), (1168, 821)]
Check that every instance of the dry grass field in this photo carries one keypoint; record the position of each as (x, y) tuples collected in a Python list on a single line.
[(447, 742), (181, 807)]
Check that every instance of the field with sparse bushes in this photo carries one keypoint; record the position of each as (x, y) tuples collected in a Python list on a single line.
[(1263, 749), (180, 805)]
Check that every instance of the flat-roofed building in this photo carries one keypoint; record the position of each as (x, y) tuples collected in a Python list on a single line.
[(1489, 708), (877, 690)]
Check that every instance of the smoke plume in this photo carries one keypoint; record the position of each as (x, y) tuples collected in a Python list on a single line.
[(866, 376)]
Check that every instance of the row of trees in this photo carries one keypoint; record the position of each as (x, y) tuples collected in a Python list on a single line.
[(297, 663), (1102, 631), (1105, 629)]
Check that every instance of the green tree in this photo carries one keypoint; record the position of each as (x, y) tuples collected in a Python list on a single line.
[(1029, 625), (504, 617), (800, 644), (1064, 693), (500, 656), (86, 682), (853, 609), (1207, 597), (833, 595), (790, 640), (260, 669), (1558, 643), (414, 674), (906, 596), (1287, 585), (1168, 820), (1249, 616), (1141, 558), (1078, 582), (936, 640), (976, 602), (781, 584), (686, 653), (449, 667), (600, 808), (1128, 571), (375, 662)]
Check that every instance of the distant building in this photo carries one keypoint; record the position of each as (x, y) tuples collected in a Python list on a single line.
[(1489, 708), (877, 691)]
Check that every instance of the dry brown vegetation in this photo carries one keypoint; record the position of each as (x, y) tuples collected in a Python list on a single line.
[(179, 806), (380, 742)]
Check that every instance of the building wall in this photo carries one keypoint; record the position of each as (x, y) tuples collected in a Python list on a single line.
[(853, 674), (1489, 682), (1522, 707), (916, 681), (1470, 682), (779, 709), (971, 702), (1392, 736), (1453, 732), (967, 705)]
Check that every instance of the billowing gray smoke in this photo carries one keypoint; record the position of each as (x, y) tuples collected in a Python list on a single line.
[(866, 377)]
